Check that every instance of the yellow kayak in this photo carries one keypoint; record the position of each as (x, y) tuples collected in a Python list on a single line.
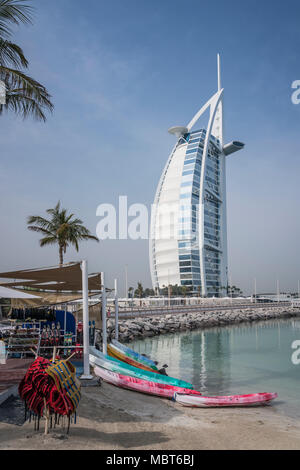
[(117, 354)]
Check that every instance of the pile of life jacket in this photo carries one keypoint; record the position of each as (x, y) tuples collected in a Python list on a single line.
[(50, 387)]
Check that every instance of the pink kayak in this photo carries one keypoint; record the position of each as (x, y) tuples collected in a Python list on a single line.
[(141, 385), (233, 400)]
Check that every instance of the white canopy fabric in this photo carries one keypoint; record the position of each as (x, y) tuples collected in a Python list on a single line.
[(6, 293)]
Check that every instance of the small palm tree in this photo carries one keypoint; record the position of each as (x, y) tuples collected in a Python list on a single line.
[(139, 292), (199, 291), (23, 95), (184, 290), (61, 229), (130, 290)]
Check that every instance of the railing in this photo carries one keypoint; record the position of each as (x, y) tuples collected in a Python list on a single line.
[(175, 309)]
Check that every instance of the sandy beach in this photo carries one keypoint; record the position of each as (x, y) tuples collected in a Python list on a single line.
[(115, 419)]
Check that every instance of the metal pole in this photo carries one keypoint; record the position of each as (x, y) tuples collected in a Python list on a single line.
[(104, 330), (126, 281), (255, 290), (116, 311), (169, 300), (278, 293), (85, 315), (76, 320), (65, 320)]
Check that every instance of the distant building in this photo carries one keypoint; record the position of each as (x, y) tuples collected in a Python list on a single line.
[(188, 242)]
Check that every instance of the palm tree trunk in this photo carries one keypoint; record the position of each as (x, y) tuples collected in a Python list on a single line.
[(61, 255)]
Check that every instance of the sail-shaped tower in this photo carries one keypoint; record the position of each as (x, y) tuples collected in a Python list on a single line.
[(188, 235)]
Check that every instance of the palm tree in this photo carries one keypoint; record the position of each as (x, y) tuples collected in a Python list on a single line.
[(184, 290), (61, 229), (24, 95), (130, 290), (199, 291), (139, 292)]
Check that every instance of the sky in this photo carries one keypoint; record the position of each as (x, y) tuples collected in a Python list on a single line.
[(120, 74)]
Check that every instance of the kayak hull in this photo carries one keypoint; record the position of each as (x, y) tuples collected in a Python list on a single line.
[(134, 354), (140, 385), (117, 354), (252, 399), (96, 358)]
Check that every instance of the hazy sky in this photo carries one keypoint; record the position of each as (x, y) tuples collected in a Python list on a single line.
[(121, 72)]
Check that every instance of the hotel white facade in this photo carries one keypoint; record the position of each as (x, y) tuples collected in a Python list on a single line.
[(188, 237)]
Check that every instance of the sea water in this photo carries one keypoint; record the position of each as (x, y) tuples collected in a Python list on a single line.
[(239, 359)]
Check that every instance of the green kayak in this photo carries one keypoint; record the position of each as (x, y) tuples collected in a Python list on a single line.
[(114, 365)]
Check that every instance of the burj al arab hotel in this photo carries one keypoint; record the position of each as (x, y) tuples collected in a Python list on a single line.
[(188, 235)]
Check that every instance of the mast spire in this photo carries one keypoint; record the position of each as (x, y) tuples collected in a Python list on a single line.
[(219, 72), (218, 125)]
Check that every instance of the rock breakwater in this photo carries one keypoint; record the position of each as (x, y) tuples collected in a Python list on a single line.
[(144, 327)]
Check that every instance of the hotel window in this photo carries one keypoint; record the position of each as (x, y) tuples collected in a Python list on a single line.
[(191, 166), (186, 276), (184, 257), (185, 270), (186, 173)]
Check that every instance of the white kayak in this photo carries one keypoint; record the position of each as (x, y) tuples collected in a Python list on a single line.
[(201, 401)]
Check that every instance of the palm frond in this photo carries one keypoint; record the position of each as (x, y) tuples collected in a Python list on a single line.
[(42, 230), (92, 237), (12, 55), (76, 222), (24, 106), (69, 219), (55, 210), (48, 241), (13, 12), (24, 95), (41, 221)]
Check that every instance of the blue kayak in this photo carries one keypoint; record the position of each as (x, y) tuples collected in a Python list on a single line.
[(136, 355)]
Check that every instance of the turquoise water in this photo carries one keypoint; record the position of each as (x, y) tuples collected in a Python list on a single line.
[(234, 360)]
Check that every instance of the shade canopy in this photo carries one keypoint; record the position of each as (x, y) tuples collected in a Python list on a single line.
[(67, 277), (6, 293), (46, 299)]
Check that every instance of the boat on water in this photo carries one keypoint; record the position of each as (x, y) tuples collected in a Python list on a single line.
[(233, 400), (131, 353), (141, 385), (97, 358), (113, 351)]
